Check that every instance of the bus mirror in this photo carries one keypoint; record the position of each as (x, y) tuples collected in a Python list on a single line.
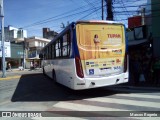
[(41, 56)]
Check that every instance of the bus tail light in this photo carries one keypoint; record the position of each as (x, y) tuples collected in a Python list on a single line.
[(79, 68), (125, 62)]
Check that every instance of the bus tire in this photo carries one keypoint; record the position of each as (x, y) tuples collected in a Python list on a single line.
[(54, 76)]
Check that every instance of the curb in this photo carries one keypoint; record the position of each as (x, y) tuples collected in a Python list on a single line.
[(141, 88), (10, 77)]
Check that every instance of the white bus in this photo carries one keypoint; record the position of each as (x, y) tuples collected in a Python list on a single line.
[(87, 54)]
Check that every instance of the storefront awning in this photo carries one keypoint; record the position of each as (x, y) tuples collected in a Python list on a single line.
[(137, 42), (33, 58)]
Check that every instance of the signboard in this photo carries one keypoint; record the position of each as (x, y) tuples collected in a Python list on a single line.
[(7, 49)]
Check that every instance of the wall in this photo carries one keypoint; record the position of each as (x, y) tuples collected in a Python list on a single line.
[(16, 51), (156, 26)]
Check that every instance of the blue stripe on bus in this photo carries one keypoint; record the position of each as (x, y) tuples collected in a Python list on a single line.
[(74, 45), (126, 39)]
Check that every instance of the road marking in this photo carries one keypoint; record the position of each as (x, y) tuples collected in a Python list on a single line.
[(139, 96), (10, 78), (5, 102), (126, 102), (80, 107)]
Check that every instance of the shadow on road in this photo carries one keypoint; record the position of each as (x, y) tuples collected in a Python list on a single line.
[(36, 87)]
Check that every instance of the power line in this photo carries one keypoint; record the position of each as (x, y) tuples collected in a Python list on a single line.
[(46, 21), (39, 22), (132, 6), (91, 5), (125, 8), (81, 10), (90, 13)]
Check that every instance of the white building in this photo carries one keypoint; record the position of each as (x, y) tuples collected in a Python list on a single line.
[(13, 34), (33, 45)]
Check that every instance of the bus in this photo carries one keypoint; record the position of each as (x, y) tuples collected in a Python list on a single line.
[(87, 54)]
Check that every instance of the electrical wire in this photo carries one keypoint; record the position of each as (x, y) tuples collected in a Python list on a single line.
[(80, 11), (48, 19)]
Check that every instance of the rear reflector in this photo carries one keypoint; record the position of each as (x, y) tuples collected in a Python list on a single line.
[(79, 67)]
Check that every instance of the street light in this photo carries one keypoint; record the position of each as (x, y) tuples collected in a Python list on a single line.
[(24, 53), (2, 36)]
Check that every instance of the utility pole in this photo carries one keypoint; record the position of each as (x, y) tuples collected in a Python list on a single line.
[(102, 11), (2, 42), (109, 10), (24, 53)]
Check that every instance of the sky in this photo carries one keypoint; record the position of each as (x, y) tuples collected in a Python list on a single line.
[(33, 15)]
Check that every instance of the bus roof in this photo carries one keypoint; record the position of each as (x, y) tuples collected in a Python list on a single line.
[(99, 21)]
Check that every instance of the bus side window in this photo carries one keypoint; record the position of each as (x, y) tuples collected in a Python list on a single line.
[(49, 52), (64, 49), (69, 42), (53, 51), (46, 53), (66, 44), (58, 49)]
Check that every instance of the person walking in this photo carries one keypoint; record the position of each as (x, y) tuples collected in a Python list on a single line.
[(156, 72), (9, 67), (136, 70)]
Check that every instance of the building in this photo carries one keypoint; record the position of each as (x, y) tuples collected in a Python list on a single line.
[(21, 51), (140, 46), (155, 25), (48, 34), (33, 45), (12, 33), (13, 45)]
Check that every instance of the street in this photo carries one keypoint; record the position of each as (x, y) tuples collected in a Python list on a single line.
[(32, 91)]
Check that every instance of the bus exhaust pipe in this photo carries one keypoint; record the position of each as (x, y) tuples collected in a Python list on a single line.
[(117, 80), (93, 83)]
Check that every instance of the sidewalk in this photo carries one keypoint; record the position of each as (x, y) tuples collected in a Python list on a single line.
[(18, 72), (144, 86)]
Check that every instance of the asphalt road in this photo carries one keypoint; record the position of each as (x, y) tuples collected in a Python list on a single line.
[(31, 91)]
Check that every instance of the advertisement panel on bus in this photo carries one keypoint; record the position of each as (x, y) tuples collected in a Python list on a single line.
[(101, 48)]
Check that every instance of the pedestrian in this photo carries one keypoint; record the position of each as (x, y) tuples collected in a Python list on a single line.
[(31, 66), (136, 70), (156, 72), (9, 67)]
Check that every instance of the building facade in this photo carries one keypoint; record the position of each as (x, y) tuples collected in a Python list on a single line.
[(13, 47), (48, 34), (23, 50), (33, 45), (155, 14), (12, 33)]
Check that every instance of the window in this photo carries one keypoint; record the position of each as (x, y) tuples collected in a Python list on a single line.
[(53, 51), (45, 53), (49, 52), (58, 48), (38, 43), (66, 44)]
